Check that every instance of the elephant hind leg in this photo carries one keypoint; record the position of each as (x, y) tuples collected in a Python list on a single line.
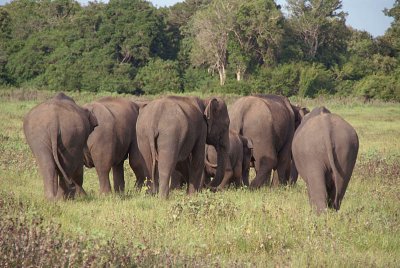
[(339, 185), (263, 168), (166, 163), (64, 191), (69, 191), (48, 170), (104, 179), (78, 178), (317, 191), (331, 190), (138, 166), (118, 177), (283, 166)]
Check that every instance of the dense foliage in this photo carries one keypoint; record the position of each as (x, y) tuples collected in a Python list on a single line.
[(223, 46)]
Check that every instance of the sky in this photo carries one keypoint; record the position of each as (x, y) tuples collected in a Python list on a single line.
[(362, 14)]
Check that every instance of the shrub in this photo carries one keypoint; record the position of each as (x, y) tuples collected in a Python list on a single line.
[(233, 86), (283, 79), (159, 76), (315, 79), (198, 79), (384, 87)]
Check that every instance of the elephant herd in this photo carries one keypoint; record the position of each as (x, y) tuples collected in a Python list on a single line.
[(175, 140)]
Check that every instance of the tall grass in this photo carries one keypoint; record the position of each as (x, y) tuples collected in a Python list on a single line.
[(267, 227)]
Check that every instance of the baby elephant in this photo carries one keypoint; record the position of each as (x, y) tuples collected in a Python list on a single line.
[(237, 168), (324, 151)]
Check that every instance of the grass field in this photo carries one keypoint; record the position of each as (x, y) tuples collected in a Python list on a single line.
[(264, 228)]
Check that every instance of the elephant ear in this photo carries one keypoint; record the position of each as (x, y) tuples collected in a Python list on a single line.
[(92, 118), (299, 113), (142, 104), (303, 111), (209, 112)]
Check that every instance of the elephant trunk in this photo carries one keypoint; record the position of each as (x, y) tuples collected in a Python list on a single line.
[(222, 157), (209, 164)]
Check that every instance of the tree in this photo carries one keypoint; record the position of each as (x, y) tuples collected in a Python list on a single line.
[(313, 20), (258, 30), (393, 33), (132, 28), (5, 36), (239, 59), (210, 28)]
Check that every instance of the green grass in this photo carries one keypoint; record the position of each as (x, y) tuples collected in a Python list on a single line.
[(268, 227)]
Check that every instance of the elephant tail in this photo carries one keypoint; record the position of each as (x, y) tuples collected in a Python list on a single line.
[(54, 147), (337, 177), (153, 152)]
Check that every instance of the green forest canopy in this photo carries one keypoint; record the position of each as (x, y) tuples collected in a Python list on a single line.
[(222, 46)]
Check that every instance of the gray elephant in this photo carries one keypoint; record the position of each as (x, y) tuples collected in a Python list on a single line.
[(113, 140), (173, 130), (325, 149), (240, 157), (269, 121), (56, 132), (237, 168)]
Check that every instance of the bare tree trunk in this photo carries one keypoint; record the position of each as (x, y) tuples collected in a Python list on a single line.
[(222, 75), (238, 75)]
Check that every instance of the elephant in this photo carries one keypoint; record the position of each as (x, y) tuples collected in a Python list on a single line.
[(325, 149), (237, 168), (240, 157), (113, 140), (269, 121), (56, 132), (175, 129)]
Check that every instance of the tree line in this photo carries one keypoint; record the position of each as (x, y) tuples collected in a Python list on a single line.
[(226, 46)]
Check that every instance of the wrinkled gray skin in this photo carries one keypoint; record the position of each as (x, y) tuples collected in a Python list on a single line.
[(113, 140), (269, 121), (237, 168), (240, 157), (174, 130), (325, 150), (56, 132)]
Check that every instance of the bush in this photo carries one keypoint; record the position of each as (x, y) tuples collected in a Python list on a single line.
[(385, 87), (198, 79), (159, 76), (315, 79), (283, 79), (345, 88), (232, 86)]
